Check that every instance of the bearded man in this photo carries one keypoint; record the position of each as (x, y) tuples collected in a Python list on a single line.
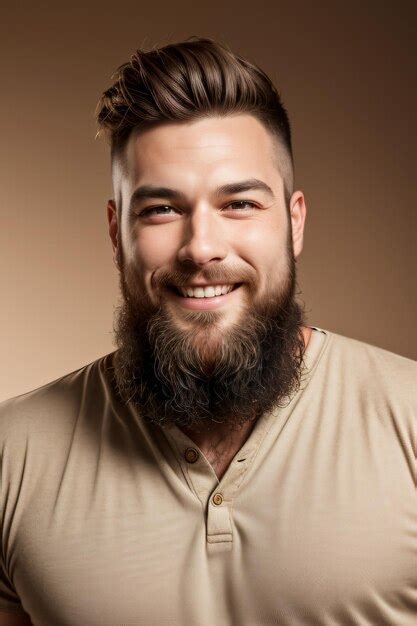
[(227, 463)]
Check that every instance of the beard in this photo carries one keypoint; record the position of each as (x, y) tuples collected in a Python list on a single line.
[(204, 375)]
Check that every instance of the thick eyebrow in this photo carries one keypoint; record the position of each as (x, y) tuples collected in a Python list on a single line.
[(146, 192), (252, 184)]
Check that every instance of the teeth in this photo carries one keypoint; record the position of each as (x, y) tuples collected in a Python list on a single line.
[(205, 292)]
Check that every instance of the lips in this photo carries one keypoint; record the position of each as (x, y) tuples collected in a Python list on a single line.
[(203, 303), (178, 292)]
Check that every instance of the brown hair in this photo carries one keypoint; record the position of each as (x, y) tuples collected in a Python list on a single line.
[(186, 81)]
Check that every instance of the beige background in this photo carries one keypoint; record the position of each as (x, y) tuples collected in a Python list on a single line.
[(347, 76)]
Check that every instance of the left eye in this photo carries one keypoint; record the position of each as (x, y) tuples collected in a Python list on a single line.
[(241, 204)]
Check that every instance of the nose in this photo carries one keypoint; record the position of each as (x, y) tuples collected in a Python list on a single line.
[(204, 238)]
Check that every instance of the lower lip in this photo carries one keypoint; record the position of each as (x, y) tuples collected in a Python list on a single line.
[(204, 304)]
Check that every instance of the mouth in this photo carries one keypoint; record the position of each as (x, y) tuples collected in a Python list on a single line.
[(200, 298)]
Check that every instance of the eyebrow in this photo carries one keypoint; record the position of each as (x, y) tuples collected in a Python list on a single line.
[(145, 192)]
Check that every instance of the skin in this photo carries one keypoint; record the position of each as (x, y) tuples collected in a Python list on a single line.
[(204, 229)]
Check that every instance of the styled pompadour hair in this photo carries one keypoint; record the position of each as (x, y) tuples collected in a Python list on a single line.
[(187, 81)]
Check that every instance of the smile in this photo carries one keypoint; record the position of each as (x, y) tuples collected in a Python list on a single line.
[(204, 299)]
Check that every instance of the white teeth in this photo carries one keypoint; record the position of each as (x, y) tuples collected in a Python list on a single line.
[(206, 292)]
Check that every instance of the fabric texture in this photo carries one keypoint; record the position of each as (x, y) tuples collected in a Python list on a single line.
[(104, 521)]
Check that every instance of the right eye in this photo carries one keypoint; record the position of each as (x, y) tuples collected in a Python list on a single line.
[(157, 210)]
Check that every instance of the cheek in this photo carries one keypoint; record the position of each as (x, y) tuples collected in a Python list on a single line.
[(264, 247), (153, 248)]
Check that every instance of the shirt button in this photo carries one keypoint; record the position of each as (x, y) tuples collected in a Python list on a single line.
[(191, 455), (217, 498)]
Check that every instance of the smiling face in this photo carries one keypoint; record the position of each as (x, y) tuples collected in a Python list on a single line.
[(201, 206)]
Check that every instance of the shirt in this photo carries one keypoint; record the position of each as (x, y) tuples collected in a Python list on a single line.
[(108, 520)]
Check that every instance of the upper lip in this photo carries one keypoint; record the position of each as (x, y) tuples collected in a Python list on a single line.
[(193, 285)]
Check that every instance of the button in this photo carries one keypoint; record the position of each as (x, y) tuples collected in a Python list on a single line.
[(217, 498), (191, 455)]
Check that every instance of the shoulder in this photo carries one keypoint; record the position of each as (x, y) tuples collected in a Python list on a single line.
[(56, 403), (376, 368), (375, 357)]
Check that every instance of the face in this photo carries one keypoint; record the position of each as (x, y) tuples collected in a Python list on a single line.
[(206, 248)]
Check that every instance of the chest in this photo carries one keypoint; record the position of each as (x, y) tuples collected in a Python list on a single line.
[(319, 529), (302, 552)]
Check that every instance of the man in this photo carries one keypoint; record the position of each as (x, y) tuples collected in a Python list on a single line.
[(227, 464)]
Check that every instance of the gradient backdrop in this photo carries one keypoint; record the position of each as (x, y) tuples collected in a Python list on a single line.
[(346, 72)]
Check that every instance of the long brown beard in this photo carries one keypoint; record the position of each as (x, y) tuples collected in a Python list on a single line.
[(197, 380)]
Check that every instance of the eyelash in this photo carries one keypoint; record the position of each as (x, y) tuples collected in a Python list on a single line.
[(147, 212)]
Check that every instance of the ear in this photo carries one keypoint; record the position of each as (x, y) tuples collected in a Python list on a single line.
[(113, 229), (298, 212)]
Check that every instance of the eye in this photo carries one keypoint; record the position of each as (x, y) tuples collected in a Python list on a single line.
[(163, 209), (242, 205)]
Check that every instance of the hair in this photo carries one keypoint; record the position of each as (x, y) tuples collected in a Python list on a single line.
[(187, 81)]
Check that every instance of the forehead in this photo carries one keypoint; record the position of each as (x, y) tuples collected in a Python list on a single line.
[(202, 153)]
